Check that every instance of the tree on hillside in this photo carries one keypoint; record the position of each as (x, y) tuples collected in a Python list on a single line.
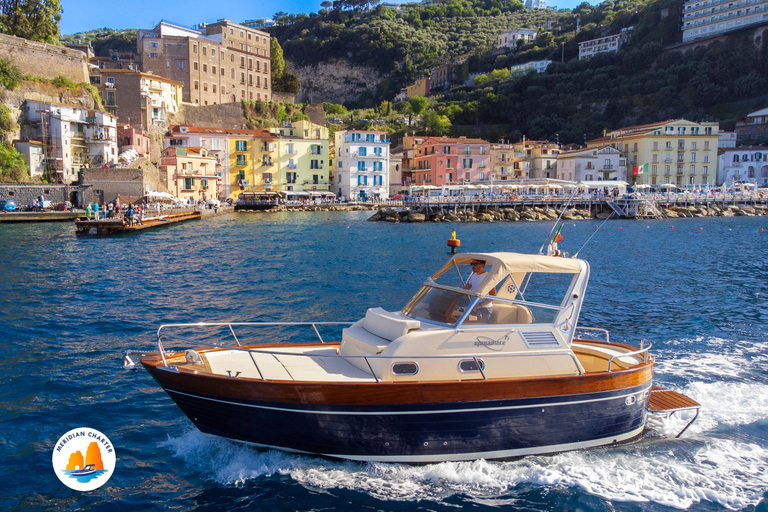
[(282, 81), (419, 104), (36, 20)]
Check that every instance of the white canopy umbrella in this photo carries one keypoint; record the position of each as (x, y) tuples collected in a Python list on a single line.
[(668, 185), (642, 185)]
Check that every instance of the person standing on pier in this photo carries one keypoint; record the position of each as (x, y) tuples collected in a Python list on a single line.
[(88, 211), (95, 210)]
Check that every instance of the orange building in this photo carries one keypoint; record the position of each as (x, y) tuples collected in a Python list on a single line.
[(190, 173)]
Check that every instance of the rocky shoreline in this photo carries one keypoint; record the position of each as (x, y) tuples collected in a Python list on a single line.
[(521, 213)]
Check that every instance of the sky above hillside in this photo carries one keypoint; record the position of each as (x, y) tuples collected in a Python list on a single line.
[(84, 15)]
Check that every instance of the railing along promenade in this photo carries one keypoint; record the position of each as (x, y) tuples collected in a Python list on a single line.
[(586, 201)]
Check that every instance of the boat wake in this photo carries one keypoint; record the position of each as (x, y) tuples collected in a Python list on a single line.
[(721, 459)]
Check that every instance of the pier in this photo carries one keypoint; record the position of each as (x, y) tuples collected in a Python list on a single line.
[(112, 226)]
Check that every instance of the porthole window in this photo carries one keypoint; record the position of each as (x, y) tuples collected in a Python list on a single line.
[(407, 368), (469, 365)]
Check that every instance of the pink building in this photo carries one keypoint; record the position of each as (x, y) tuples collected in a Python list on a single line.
[(132, 138)]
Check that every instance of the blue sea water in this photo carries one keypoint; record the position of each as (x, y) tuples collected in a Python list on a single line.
[(70, 305)]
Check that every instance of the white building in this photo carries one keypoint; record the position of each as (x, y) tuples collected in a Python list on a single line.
[(592, 164), (535, 4), (362, 165), (603, 44), (34, 156), (509, 38), (538, 66), (72, 137), (711, 17), (746, 164), (727, 140)]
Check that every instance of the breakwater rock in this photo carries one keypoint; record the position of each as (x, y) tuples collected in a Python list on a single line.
[(529, 213)]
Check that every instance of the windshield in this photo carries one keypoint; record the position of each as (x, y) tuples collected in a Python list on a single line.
[(448, 307)]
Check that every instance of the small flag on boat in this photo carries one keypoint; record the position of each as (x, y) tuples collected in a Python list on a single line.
[(558, 237), (641, 169)]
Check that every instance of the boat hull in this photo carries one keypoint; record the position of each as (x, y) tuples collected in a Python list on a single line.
[(417, 422)]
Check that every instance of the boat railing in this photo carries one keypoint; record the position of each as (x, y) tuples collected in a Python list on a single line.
[(643, 350), (230, 326), (478, 359), (599, 329)]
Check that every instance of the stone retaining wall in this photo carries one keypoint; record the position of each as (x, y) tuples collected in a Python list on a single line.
[(44, 60), (23, 195)]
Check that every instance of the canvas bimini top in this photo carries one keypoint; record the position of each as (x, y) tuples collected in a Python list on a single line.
[(500, 265)]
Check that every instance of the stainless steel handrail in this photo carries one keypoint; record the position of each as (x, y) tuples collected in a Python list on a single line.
[(643, 349), (160, 334), (607, 334)]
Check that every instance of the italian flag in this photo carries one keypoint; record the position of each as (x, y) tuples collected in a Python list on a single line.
[(641, 169)]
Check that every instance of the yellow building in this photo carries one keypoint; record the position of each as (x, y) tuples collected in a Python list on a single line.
[(535, 159), (420, 87), (302, 157), (677, 152), (252, 161)]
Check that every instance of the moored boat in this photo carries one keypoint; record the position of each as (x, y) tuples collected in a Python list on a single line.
[(478, 364)]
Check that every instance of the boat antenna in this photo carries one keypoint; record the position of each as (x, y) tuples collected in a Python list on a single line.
[(558, 221), (593, 234)]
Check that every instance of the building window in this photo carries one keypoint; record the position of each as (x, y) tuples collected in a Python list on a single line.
[(205, 68), (194, 66), (196, 85), (241, 145), (181, 64)]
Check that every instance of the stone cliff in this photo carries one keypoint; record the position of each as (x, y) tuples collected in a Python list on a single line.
[(335, 81)]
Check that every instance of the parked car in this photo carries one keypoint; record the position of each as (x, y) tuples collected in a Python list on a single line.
[(9, 206)]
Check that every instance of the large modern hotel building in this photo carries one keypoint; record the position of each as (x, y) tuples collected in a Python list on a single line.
[(704, 18)]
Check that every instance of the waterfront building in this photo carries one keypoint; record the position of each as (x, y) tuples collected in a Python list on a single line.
[(753, 128), (420, 87), (72, 137), (190, 173), (214, 140), (705, 18), (678, 152), (503, 163), (603, 163), (133, 142), (361, 169), (603, 44), (252, 165), (221, 62), (745, 164), (450, 161), (538, 66), (535, 159), (138, 98), (509, 38), (396, 171), (302, 157)]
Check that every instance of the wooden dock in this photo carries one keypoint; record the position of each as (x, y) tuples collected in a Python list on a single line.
[(112, 226)]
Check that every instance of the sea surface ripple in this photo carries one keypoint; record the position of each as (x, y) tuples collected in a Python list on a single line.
[(70, 305)]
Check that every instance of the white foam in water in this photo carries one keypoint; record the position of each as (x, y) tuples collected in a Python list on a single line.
[(673, 473), (703, 466)]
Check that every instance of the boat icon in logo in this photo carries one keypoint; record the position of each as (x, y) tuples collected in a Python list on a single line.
[(84, 459)]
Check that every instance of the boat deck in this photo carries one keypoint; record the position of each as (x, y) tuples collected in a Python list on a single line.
[(665, 400)]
